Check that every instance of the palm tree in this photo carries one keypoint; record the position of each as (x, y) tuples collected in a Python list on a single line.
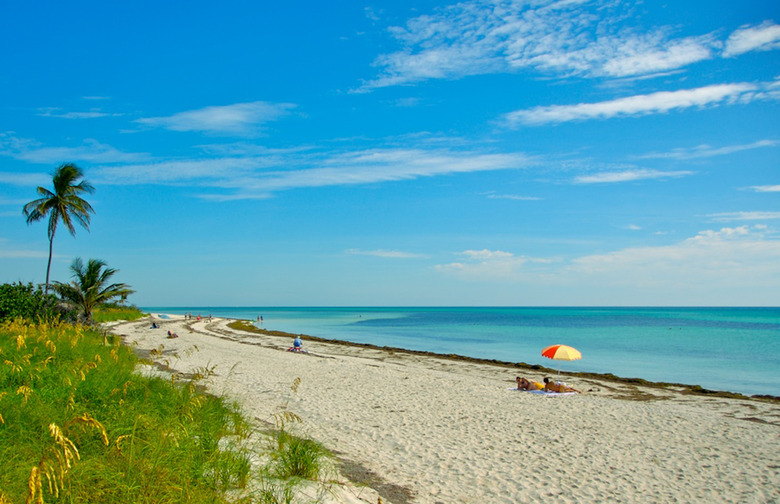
[(90, 287), (64, 204)]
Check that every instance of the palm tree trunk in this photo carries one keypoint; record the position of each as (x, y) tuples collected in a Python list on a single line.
[(48, 268)]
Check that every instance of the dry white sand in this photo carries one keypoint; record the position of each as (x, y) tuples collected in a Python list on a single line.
[(443, 431)]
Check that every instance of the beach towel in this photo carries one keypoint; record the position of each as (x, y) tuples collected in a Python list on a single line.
[(542, 392)]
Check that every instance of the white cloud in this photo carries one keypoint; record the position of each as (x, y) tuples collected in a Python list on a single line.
[(239, 118), (705, 151), (25, 179), (490, 265), (767, 188), (90, 150), (629, 176), (11, 253), (92, 114), (259, 176), (653, 54), (764, 37), (744, 216), (390, 254), (733, 266), (637, 105), (385, 165), (711, 261), (587, 38), (513, 197), (487, 255)]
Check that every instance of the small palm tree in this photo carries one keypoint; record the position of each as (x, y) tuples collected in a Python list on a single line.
[(63, 204), (90, 287)]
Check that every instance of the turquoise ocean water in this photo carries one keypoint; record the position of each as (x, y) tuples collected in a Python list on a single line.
[(731, 349)]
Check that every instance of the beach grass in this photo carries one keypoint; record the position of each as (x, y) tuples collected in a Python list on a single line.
[(77, 424), (114, 313)]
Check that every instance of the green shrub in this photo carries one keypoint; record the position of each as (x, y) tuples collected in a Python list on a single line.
[(23, 301), (112, 313), (296, 457)]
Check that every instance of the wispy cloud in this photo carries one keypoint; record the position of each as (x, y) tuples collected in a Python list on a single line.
[(17, 253), (513, 197), (767, 188), (24, 179), (490, 265), (587, 38), (715, 262), (764, 37), (705, 151), (89, 150), (58, 113), (637, 105), (259, 176), (711, 264), (629, 176), (239, 118), (584, 38), (387, 254), (744, 216)]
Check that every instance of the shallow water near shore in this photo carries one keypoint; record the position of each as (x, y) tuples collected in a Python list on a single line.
[(728, 349)]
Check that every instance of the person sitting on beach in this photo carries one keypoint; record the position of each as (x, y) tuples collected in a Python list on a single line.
[(526, 384), (297, 345), (561, 388), (172, 335)]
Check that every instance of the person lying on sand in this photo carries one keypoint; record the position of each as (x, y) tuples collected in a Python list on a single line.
[(526, 384), (551, 386)]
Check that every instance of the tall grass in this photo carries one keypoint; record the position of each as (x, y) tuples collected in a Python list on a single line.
[(78, 425), (114, 313)]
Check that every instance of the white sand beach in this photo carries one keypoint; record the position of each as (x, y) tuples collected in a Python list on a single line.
[(434, 430)]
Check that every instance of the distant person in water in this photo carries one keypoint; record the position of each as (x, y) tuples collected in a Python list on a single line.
[(551, 386)]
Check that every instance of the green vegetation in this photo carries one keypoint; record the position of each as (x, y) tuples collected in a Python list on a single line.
[(289, 460), (90, 287), (296, 457), (78, 424), (23, 301), (64, 204), (113, 313)]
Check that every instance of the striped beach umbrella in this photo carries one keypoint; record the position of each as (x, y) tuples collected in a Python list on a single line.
[(561, 352)]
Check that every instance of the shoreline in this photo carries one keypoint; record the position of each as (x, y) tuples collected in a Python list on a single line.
[(685, 387), (709, 355), (425, 429)]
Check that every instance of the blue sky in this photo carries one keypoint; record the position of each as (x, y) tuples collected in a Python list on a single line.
[(401, 153)]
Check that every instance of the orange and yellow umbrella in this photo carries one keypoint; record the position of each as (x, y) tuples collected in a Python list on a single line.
[(561, 352)]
